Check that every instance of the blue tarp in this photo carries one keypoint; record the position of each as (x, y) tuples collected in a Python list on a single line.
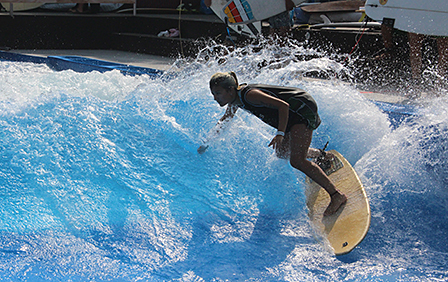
[(79, 64)]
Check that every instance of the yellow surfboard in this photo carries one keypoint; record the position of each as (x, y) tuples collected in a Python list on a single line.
[(345, 229)]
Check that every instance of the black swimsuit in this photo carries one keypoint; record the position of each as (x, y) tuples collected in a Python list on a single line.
[(302, 107)]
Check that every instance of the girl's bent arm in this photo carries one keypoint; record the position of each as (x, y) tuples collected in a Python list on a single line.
[(258, 97)]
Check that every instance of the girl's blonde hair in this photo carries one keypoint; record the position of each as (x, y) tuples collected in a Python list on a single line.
[(224, 80)]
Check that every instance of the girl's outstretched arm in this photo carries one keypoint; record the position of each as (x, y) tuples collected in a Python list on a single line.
[(228, 115)]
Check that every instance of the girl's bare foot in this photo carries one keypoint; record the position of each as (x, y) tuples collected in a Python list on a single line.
[(337, 200)]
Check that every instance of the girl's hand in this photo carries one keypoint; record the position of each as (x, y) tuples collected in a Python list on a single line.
[(202, 149), (276, 142)]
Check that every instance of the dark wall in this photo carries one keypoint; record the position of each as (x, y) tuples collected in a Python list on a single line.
[(166, 4)]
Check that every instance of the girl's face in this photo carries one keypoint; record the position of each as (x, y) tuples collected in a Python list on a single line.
[(223, 95)]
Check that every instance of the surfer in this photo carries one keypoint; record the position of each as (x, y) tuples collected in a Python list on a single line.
[(291, 110)]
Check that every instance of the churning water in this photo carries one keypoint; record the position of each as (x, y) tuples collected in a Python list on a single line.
[(100, 179)]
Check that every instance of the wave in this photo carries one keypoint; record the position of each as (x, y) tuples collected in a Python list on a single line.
[(101, 179)]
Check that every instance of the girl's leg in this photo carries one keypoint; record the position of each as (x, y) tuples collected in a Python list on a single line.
[(284, 151), (300, 141)]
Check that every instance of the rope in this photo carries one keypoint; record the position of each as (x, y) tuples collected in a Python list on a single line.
[(357, 42), (178, 27)]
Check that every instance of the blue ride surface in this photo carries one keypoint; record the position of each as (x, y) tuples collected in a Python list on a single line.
[(100, 179), (79, 64)]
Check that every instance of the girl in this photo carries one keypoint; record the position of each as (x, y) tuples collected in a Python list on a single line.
[(291, 110)]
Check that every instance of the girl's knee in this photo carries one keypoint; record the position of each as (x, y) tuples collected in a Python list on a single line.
[(299, 164)]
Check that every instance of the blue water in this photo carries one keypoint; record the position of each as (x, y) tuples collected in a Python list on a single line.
[(100, 179)]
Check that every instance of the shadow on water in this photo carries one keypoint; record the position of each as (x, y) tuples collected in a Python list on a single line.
[(241, 259)]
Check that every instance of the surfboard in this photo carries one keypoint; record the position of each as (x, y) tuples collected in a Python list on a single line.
[(423, 17), (336, 6), (21, 6), (244, 16), (247, 11), (345, 229), (250, 30)]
